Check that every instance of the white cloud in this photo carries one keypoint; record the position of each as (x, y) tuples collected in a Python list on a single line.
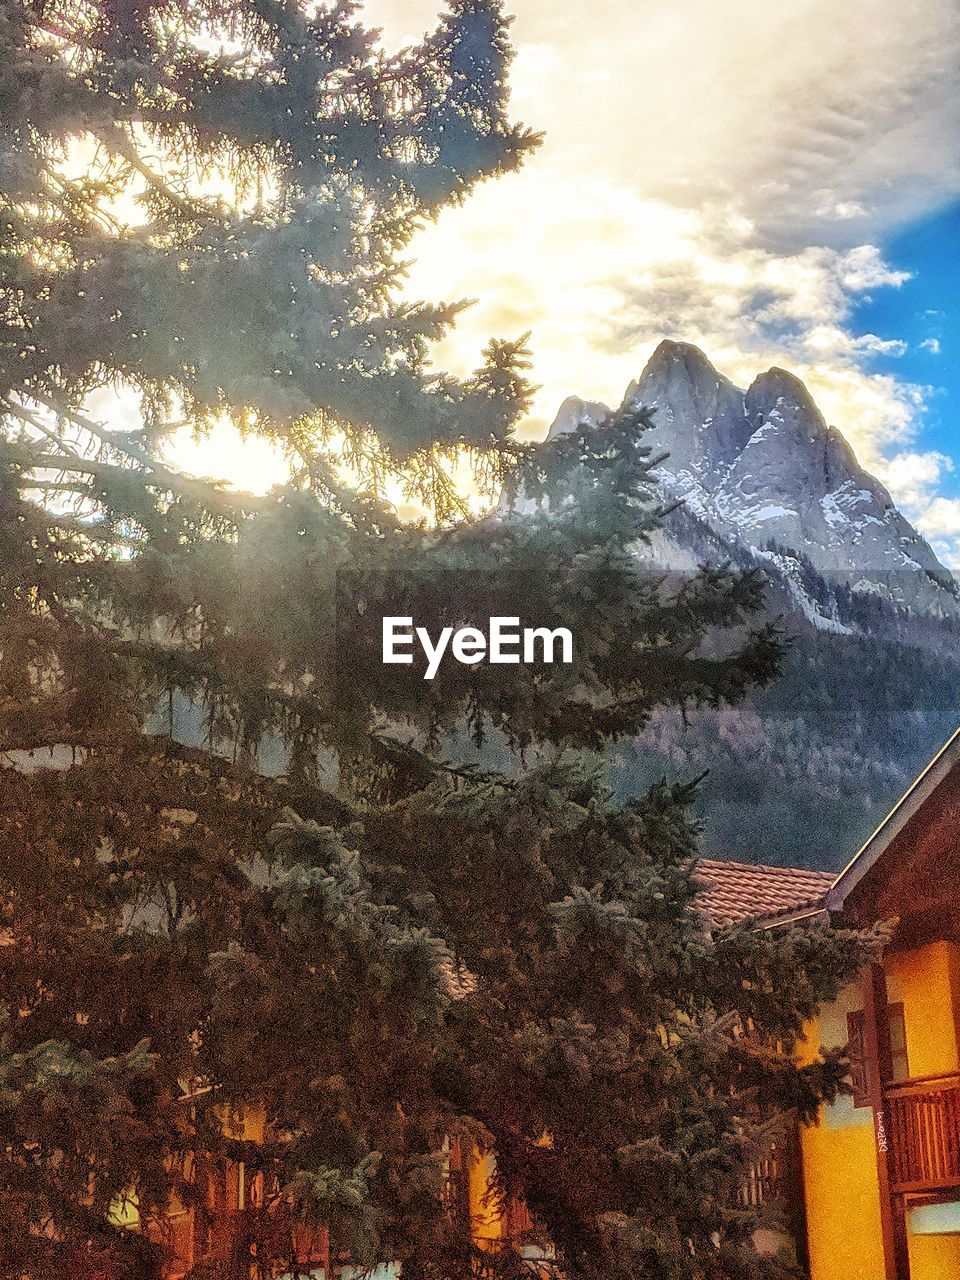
[(913, 477), (942, 517), (599, 275), (932, 345), (720, 173), (948, 552), (941, 524), (842, 210), (803, 109)]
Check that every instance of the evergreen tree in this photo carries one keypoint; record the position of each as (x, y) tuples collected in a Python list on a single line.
[(371, 947)]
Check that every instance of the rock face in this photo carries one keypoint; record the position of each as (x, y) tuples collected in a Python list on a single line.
[(765, 473), (575, 413), (700, 414), (803, 769)]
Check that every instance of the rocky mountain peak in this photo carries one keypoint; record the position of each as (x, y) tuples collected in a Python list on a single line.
[(574, 414), (761, 469), (699, 414), (777, 388), (683, 359)]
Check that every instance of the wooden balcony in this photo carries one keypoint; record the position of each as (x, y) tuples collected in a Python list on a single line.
[(923, 1120)]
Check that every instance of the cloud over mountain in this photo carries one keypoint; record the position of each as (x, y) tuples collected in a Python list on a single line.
[(720, 172)]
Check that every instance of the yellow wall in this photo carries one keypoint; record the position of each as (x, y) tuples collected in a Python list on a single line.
[(246, 1123), (928, 982), (934, 1257), (843, 1203), (839, 1153), (485, 1217), (841, 1188)]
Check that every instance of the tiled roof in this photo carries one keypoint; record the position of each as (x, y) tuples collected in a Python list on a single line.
[(736, 891), (457, 979)]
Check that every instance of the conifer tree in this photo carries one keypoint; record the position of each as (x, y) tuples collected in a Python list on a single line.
[(246, 871)]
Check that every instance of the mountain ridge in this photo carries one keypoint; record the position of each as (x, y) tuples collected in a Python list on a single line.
[(802, 770), (762, 469)]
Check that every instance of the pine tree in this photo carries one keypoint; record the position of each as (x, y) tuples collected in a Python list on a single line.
[(246, 869)]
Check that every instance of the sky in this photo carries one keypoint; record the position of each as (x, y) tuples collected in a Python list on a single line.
[(778, 182)]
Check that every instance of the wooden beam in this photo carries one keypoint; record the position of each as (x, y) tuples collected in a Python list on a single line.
[(878, 1055)]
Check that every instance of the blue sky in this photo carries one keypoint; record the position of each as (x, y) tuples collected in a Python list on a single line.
[(924, 313)]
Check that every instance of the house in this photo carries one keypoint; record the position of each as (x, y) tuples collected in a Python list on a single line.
[(878, 1177), (872, 1190)]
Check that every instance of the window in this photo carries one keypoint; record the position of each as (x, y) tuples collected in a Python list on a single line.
[(900, 1069), (856, 1052), (899, 1065), (456, 1190)]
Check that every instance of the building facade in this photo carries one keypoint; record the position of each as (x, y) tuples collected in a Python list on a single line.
[(872, 1190), (881, 1170), (877, 1178)]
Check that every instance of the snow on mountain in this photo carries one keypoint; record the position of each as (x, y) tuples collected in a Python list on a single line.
[(574, 414), (871, 679), (764, 473)]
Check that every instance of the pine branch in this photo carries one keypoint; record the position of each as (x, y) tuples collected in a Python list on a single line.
[(234, 504)]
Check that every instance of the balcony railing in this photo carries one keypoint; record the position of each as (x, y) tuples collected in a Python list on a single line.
[(923, 1118), (764, 1183), (774, 1176)]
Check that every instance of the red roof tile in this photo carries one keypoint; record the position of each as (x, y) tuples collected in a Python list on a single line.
[(735, 892)]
